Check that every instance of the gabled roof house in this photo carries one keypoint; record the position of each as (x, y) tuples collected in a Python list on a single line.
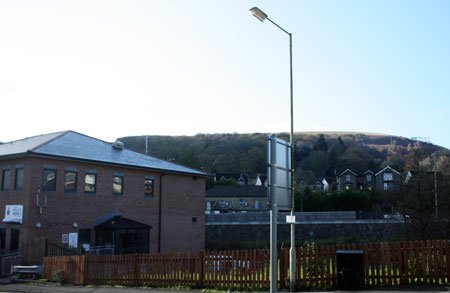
[(101, 194)]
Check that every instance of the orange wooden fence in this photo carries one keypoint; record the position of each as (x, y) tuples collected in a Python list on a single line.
[(425, 262)]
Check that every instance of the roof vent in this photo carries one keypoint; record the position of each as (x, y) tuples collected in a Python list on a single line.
[(118, 145)]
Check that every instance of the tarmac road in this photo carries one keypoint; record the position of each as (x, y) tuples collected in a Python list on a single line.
[(44, 287)]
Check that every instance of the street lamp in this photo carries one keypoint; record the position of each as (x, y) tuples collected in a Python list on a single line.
[(261, 16)]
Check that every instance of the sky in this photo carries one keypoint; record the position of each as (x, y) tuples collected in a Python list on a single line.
[(110, 69)]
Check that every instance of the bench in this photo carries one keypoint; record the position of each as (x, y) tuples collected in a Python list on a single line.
[(34, 270)]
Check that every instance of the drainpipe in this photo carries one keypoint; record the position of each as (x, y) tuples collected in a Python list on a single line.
[(160, 211)]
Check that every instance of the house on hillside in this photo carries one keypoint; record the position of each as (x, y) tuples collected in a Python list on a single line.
[(241, 178), (261, 180), (347, 180), (228, 199), (386, 179), (368, 180), (70, 186), (320, 185)]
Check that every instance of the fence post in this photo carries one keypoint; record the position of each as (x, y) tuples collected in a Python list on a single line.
[(202, 268), (84, 270)]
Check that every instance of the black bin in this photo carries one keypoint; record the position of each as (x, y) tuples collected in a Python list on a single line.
[(350, 269)]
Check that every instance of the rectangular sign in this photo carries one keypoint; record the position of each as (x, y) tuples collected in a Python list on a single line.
[(73, 240), (279, 173), (290, 219), (13, 214), (65, 238)]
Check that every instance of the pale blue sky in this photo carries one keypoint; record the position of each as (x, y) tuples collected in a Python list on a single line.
[(115, 68)]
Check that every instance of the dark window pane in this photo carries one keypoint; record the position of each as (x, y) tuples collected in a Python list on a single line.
[(117, 184), (148, 187), (2, 239), (5, 179), (14, 245), (90, 183), (70, 181), (49, 180), (18, 182), (84, 236)]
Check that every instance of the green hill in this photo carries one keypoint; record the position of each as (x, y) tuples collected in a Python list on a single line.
[(316, 154)]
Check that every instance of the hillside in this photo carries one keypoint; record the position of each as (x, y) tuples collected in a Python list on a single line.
[(316, 154)]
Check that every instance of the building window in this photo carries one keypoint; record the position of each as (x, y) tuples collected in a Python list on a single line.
[(385, 186), (2, 239), (6, 174), (90, 183), (84, 237), (118, 184), (148, 190), (369, 178), (18, 179), (14, 244), (49, 180), (387, 177), (347, 178), (256, 204), (222, 203), (70, 181)]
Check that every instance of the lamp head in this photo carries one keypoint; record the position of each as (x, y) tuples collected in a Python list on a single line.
[(258, 13)]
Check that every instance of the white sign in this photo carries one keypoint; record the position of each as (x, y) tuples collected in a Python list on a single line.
[(13, 214), (73, 240), (290, 219), (65, 238)]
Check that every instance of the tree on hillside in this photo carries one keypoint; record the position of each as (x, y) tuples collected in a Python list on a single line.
[(417, 199), (395, 161), (335, 153), (317, 163), (320, 144), (356, 158)]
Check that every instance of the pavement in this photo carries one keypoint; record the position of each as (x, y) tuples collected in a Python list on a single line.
[(8, 285)]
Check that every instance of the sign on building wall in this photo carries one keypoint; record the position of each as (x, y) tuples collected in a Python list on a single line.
[(65, 238), (73, 240), (13, 214)]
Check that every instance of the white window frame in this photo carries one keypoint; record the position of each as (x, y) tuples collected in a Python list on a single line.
[(388, 176)]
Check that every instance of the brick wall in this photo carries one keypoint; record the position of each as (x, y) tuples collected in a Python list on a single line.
[(183, 198)]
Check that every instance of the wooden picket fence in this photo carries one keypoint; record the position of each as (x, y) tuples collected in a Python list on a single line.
[(418, 262)]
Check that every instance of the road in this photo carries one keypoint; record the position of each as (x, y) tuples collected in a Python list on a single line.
[(41, 287)]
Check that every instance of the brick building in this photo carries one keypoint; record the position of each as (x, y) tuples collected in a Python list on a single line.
[(236, 198), (75, 188)]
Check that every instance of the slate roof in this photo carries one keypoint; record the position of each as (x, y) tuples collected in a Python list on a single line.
[(237, 191), (73, 145), (348, 170), (387, 168)]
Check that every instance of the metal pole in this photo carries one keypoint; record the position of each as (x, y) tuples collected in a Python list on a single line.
[(273, 249), (292, 258), (435, 185)]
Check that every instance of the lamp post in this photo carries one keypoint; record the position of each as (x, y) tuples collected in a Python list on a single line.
[(261, 16)]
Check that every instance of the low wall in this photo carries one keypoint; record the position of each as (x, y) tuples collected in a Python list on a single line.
[(227, 233)]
